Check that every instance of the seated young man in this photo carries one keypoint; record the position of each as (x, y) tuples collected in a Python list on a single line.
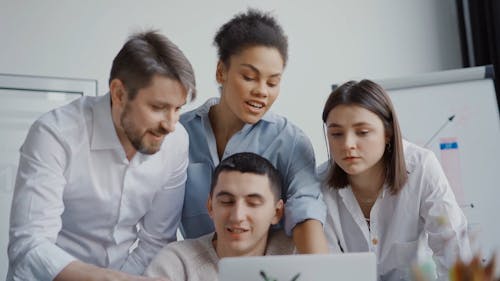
[(244, 201)]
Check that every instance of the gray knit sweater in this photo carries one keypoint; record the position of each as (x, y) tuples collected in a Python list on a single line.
[(196, 259)]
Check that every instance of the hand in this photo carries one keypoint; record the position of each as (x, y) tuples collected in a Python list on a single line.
[(78, 270)]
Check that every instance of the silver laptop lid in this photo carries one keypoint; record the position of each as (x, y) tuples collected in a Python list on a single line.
[(349, 266)]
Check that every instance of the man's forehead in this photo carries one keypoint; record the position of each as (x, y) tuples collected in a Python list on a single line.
[(242, 184), (223, 193), (164, 90)]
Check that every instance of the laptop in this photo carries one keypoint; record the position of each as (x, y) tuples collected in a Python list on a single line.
[(348, 266)]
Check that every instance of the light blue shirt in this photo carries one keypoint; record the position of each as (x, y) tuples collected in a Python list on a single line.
[(274, 138)]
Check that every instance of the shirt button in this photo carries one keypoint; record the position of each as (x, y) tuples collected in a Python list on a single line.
[(374, 241)]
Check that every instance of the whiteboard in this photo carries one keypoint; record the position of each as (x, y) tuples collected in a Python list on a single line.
[(468, 145), (22, 100)]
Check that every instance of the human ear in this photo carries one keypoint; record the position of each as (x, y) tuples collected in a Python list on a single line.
[(209, 206), (117, 92), (279, 210), (220, 73), (388, 136)]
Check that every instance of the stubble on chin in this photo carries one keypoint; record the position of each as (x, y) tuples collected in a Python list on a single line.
[(134, 137)]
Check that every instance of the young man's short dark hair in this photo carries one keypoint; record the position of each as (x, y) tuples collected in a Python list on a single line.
[(248, 162)]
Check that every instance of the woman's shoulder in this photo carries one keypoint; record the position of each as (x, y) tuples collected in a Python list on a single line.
[(284, 128), (322, 170), (199, 111), (423, 167), (415, 155)]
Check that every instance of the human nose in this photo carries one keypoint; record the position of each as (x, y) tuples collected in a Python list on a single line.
[(349, 141), (238, 212), (169, 120), (261, 89)]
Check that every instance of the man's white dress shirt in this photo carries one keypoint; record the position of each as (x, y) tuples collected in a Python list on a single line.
[(77, 197)]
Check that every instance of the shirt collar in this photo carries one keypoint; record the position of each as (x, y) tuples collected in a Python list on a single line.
[(347, 192), (103, 130), (203, 110), (104, 133)]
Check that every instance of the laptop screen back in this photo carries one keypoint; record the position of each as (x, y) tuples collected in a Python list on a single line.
[(349, 266)]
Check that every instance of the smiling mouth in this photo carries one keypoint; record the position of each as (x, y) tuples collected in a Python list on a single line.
[(236, 230), (156, 135), (256, 105)]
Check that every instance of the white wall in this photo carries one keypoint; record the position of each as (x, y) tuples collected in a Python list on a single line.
[(330, 41)]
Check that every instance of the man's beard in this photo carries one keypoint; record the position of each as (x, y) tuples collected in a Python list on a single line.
[(135, 137)]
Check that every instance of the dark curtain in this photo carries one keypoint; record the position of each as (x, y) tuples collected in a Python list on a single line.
[(479, 25)]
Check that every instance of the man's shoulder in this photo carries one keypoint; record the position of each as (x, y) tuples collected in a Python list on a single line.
[(279, 244), (190, 259), (175, 148), (179, 135), (75, 111), (190, 249), (69, 121)]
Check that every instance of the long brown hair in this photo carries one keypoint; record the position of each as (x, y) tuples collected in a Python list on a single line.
[(371, 96)]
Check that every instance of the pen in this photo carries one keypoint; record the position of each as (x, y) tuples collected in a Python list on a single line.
[(340, 246)]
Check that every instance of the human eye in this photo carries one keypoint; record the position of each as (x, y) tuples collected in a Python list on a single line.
[(157, 107), (248, 77), (363, 132), (254, 202), (273, 83), (226, 200), (336, 134)]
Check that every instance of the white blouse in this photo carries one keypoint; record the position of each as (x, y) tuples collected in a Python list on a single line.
[(424, 210)]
